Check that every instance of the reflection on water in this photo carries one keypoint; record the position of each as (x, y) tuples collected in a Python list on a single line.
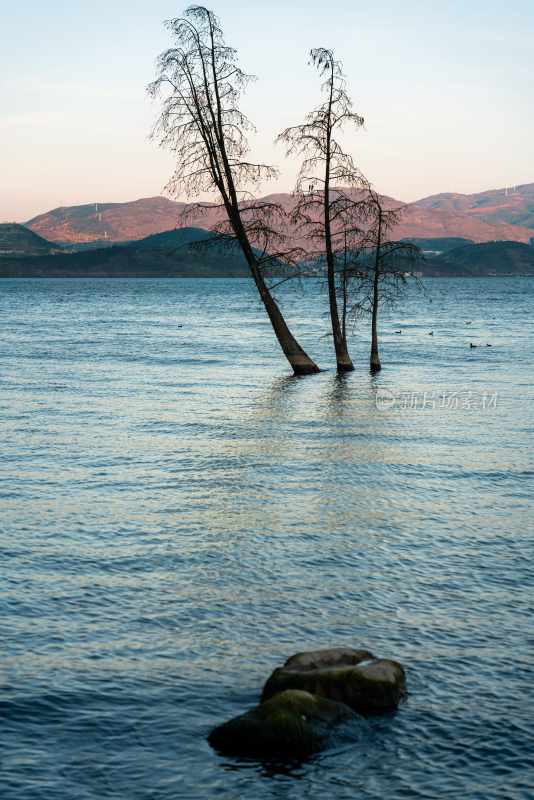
[(179, 515)]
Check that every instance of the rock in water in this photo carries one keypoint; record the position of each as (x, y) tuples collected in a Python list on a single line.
[(333, 657), (293, 724), (355, 677)]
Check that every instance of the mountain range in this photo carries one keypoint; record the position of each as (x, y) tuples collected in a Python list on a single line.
[(514, 206), (197, 253), (503, 214), (463, 235)]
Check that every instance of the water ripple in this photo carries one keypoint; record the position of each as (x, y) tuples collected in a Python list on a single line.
[(179, 515)]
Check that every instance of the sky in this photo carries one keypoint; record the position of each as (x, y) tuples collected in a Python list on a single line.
[(446, 91)]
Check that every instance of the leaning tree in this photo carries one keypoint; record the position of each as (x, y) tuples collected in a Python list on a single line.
[(200, 85), (329, 185)]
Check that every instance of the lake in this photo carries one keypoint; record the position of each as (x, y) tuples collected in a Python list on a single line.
[(179, 515)]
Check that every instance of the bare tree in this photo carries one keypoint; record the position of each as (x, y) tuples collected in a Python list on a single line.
[(324, 210), (379, 266), (200, 85)]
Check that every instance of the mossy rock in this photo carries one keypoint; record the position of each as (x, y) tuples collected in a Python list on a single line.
[(292, 724), (354, 677)]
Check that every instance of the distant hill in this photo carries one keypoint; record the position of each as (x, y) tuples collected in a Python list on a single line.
[(493, 259), (179, 237), (425, 223), (116, 222), (125, 222), (440, 245), (17, 240), (197, 253), (511, 206), (96, 244), (171, 254)]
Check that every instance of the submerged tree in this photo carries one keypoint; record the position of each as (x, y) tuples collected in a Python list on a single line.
[(200, 84), (379, 266), (324, 211)]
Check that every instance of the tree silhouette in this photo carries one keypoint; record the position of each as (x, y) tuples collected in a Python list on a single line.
[(329, 184), (379, 267), (200, 85)]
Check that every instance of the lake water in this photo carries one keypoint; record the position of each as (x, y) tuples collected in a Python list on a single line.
[(179, 515)]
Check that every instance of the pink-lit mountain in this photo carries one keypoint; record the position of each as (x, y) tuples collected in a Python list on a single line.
[(504, 214)]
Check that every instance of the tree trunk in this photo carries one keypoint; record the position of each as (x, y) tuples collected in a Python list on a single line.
[(300, 361), (344, 363), (376, 366), (343, 359), (344, 306)]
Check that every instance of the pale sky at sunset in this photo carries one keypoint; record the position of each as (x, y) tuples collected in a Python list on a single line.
[(446, 90)]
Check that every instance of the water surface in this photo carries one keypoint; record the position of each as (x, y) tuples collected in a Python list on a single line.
[(179, 514)]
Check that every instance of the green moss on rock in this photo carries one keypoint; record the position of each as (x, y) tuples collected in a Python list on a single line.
[(292, 724)]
